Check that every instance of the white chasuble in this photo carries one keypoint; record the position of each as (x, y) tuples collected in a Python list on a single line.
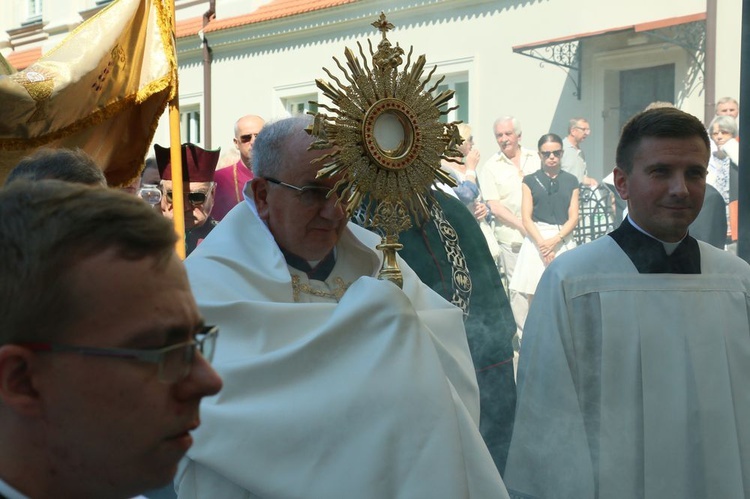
[(634, 385), (373, 397)]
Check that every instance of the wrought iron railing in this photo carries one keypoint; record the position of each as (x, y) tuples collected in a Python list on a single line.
[(596, 214)]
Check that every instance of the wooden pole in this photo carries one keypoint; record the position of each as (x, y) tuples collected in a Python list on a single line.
[(178, 198)]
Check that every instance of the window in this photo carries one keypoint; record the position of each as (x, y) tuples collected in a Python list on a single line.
[(190, 126), (33, 10), (460, 85), (300, 104)]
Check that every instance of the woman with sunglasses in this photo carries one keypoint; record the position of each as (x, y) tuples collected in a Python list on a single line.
[(549, 211)]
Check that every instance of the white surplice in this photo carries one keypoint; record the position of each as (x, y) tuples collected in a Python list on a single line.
[(634, 385), (372, 397)]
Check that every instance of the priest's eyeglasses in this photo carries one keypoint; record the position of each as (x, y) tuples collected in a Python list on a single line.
[(175, 361), (309, 195)]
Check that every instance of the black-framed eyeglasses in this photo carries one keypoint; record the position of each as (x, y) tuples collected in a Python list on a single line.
[(195, 198), (309, 194), (546, 154), (174, 361), (247, 137)]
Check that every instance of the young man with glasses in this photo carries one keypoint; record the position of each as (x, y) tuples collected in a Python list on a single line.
[(230, 181), (573, 160), (367, 390), (104, 357), (198, 169)]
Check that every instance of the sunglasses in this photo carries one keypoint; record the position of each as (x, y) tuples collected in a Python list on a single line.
[(247, 137), (195, 198), (547, 154)]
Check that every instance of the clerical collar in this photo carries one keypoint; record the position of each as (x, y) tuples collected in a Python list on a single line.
[(649, 254), (668, 247), (319, 272)]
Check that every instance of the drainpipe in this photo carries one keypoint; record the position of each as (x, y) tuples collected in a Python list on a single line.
[(208, 16), (709, 64), (743, 242)]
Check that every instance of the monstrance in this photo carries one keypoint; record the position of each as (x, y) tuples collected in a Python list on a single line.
[(387, 140)]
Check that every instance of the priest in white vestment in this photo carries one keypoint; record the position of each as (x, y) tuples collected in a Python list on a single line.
[(336, 384), (633, 372)]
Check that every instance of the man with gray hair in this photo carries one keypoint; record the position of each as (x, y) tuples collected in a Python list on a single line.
[(337, 384), (500, 179), (728, 106), (103, 354), (573, 160)]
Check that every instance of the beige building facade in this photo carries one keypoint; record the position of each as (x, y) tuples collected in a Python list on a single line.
[(543, 61)]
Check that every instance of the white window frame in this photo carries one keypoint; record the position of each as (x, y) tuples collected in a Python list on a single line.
[(289, 97), (34, 9), (191, 126), (450, 83), (456, 71), (300, 104)]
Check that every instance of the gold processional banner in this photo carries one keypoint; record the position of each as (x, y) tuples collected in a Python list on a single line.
[(102, 89)]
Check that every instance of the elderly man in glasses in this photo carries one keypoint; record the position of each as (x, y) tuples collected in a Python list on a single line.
[(230, 181), (103, 353), (337, 384), (573, 161), (198, 169)]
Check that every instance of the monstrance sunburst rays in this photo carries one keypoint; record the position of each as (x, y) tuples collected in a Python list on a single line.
[(386, 138)]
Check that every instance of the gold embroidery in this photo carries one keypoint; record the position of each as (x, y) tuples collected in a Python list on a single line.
[(39, 81), (236, 185), (339, 289)]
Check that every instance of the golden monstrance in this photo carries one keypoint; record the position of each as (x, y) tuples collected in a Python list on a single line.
[(387, 140)]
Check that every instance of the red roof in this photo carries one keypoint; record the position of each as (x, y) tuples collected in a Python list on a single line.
[(24, 58), (275, 9)]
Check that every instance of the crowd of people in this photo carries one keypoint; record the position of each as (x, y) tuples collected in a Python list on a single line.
[(272, 364)]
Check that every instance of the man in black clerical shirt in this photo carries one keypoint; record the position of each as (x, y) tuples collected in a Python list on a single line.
[(629, 375)]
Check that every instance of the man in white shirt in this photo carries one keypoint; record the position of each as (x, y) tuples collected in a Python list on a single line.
[(500, 179), (102, 364), (336, 384), (631, 381)]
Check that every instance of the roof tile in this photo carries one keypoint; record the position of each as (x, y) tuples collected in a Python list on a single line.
[(24, 58), (275, 9)]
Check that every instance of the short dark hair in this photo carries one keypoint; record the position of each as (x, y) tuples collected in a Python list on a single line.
[(70, 165), (549, 137), (665, 122), (46, 228)]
